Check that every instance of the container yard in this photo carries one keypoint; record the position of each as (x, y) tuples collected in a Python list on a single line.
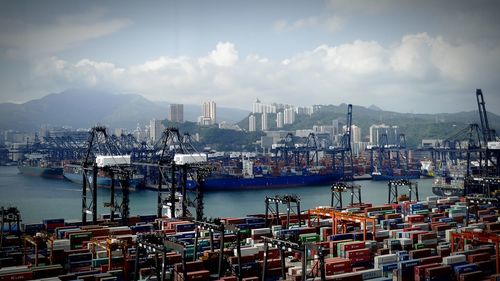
[(441, 238)]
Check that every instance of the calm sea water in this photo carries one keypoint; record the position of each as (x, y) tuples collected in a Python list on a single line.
[(38, 198)]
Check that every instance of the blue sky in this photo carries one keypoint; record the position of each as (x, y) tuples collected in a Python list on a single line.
[(401, 55)]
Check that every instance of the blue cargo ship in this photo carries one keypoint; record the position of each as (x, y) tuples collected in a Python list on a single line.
[(257, 178), (261, 182)]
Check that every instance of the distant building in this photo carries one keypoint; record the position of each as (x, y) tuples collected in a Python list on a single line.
[(251, 123), (176, 113), (119, 131), (279, 120), (335, 124), (209, 111), (155, 129), (303, 133), (264, 124), (376, 131), (258, 107), (428, 143), (307, 110), (289, 116), (355, 133)]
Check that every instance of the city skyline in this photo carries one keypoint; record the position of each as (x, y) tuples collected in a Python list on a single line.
[(398, 55)]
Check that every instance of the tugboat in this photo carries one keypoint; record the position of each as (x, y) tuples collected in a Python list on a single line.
[(427, 168)]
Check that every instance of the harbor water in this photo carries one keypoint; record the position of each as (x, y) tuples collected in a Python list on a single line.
[(39, 198)]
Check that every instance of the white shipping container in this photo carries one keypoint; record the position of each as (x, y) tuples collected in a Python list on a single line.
[(248, 251), (448, 234), (405, 241), (430, 242), (432, 198), (494, 145), (383, 259), (423, 226), (454, 259), (183, 159), (112, 160), (382, 233), (260, 231)]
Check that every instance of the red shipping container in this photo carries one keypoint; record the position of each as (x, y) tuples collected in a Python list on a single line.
[(429, 260), (358, 253), (419, 270), (352, 246), (198, 275), (229, 278), (343, 266), (478, 257), (415, 218), (360, 259), (431, 273), (421, 253)]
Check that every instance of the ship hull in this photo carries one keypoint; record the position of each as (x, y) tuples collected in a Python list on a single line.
[(104, 182), (52, 172), (73, 173), (266, 182), (447, 191), (392, 177)]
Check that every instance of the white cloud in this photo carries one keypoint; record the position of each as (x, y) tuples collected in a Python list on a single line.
[(402, 77), (25, 39), (224, 55), (329, 23)]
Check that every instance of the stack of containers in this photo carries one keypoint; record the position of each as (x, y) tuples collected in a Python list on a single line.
[(387, 263), (51, 224), (194, 271), (79, 261)]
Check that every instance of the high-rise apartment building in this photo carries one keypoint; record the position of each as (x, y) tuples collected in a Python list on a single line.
[(209, 111), (252, 123), (289, 115), (259, 107), (355, 134), (264, 124), (155, 129), (279, 120), (176, 113)]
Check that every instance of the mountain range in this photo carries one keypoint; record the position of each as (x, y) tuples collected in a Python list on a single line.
[(84, 108)]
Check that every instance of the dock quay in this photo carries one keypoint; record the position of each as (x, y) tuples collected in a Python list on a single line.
[(441, 238)]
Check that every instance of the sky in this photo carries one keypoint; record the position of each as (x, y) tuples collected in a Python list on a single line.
[(425, 56)]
